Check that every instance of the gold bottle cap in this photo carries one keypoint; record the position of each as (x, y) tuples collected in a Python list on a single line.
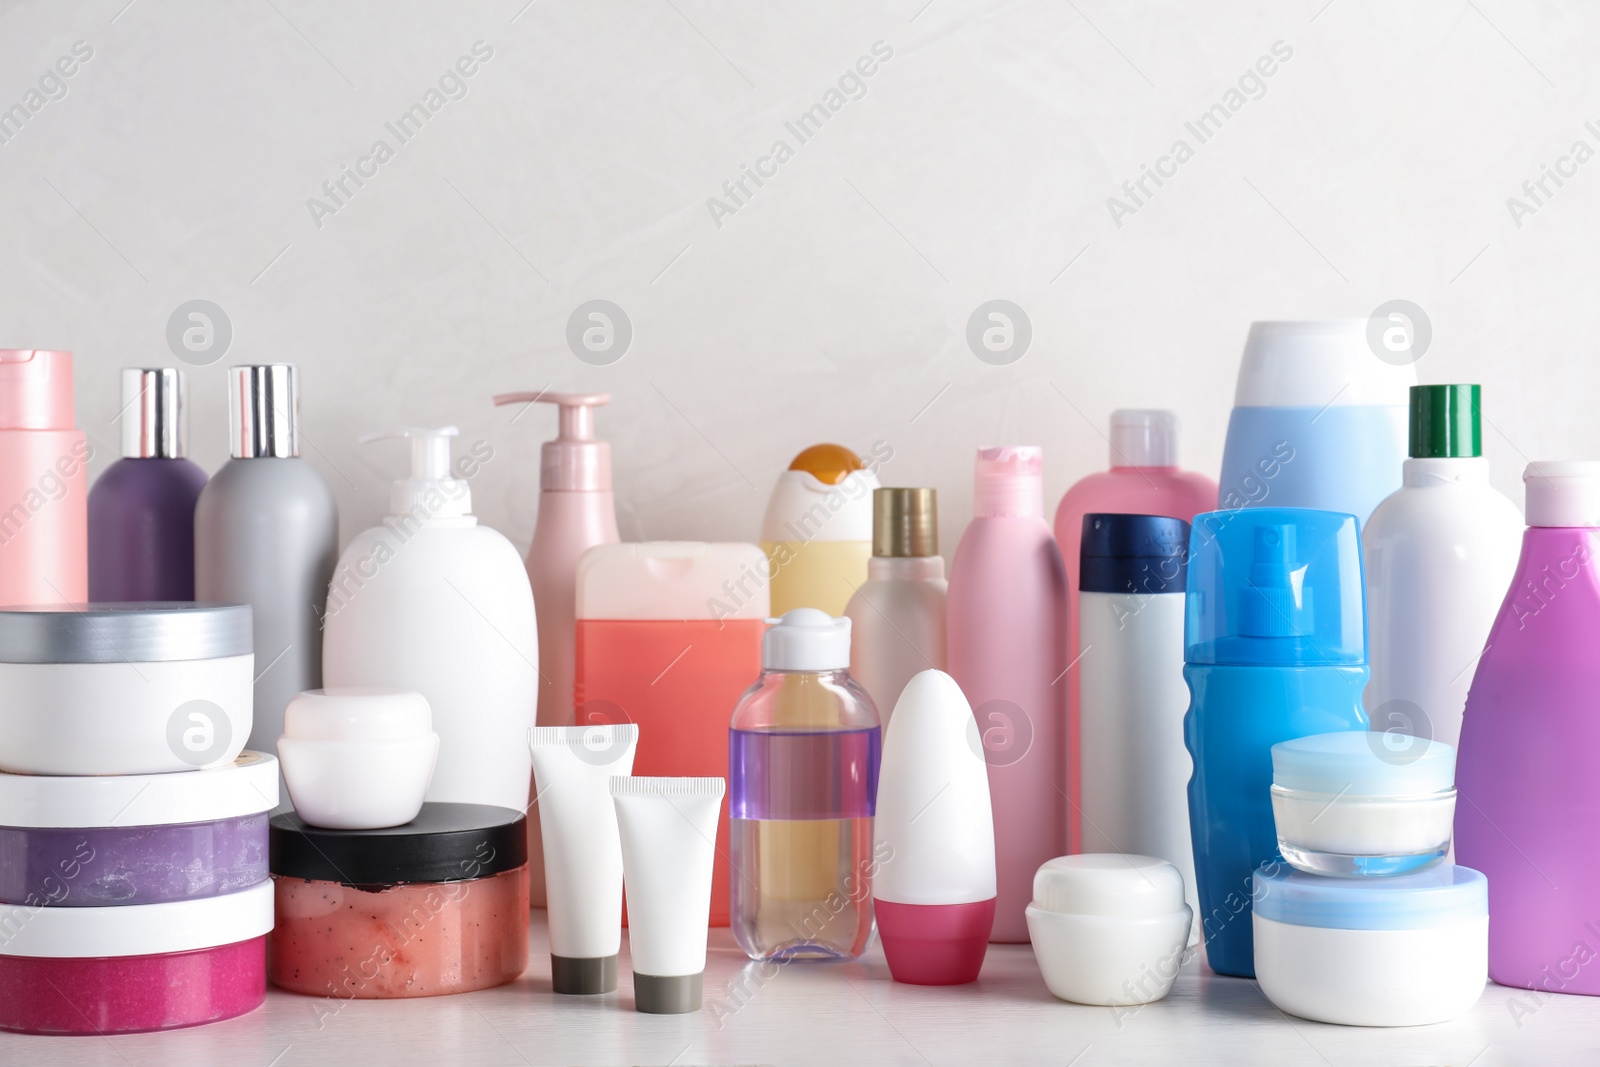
[(905, 522)]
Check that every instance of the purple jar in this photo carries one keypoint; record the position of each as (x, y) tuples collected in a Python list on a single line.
[(74, 842)]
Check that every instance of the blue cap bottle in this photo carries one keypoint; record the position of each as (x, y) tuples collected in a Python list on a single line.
[(1275, 648)]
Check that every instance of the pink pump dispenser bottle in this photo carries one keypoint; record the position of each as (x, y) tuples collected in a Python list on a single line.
[(1528, 808), (44, 483), (576, 512), (1008, 652), (1144, 479)]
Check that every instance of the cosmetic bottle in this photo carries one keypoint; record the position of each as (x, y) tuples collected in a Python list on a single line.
[(669, 636), (1530, 741), (1144, 479), (266, 533), (803, 752), (1440, 552), (43, 482), (1130, 658), (817, 533), (897, 617), (1008, 652), (1275, 649), (433, 602), (576, 512), (141, 508), (933, 839), (1319, 421)]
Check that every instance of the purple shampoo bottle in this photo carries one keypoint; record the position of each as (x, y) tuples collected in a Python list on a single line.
[(141, 509)]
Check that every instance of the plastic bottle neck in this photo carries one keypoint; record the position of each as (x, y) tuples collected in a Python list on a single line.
[(1421, 473), (906, 568)]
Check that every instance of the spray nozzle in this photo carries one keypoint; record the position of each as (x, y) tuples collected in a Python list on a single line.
[(431, 490), (575, 460), (1275, 602)]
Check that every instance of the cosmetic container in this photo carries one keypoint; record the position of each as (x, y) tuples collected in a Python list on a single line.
[(667, 859), (123, 840), (44, 482), (1109, 929), (817, 532), (439, 905), (1404, 951), (932, 871), (1363, 804), (358, 759), (572, 770), (124, 688), (133, 969)]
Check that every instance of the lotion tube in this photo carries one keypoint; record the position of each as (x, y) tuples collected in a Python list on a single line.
[(669, 833), (572, 767)]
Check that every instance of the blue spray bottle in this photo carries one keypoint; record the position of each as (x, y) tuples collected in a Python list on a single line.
[(1275, 640)]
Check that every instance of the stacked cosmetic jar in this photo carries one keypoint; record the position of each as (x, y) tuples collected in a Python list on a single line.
[(134, 891)]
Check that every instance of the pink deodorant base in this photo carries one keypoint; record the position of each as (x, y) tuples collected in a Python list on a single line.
[(935, 944)]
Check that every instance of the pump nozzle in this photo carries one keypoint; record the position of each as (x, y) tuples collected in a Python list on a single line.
[(1274, 602), (430, 474), (575, 460)]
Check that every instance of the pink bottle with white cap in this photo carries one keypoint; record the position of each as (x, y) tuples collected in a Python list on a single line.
[(44, 519), (1008, 652), (1144, 479)]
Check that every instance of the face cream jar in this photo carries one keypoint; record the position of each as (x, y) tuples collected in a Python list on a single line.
[(1400, 951), (358, 759), (1359, 804), (126, 970), (439, 905), (124, 688), (117, 840), (1109, 929)]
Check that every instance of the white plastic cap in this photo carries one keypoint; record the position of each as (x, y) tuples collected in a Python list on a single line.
[(430, 492), (805, 508), (1108, 884), (1562, 492), (1318, 364), (1144, 438), (1009, 481), (140, 929), (806, 639)]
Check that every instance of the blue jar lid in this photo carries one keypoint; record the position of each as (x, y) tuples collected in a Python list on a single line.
[(1364, 763), (1133, 554), (1447, 895)]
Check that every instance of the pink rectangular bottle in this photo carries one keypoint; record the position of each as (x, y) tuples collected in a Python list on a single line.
[(44, 484), (1008, 652)]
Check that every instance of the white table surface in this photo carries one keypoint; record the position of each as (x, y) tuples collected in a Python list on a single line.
[(834, 1014)]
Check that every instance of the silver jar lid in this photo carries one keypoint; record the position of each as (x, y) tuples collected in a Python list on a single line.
[(124, 633), (264, 411), (153, 415)]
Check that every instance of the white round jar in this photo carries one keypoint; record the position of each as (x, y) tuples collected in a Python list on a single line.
[(140, 688), (358, 758), (1401, 951)]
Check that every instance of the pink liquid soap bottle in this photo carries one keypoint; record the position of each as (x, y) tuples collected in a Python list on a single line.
[(1008, 652), (1528, 813), (1144, 479)]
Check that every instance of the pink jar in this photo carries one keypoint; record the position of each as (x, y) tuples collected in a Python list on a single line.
[(438, 905), (123, 970)]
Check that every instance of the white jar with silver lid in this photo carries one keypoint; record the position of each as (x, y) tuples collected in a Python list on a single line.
[(124, 688)]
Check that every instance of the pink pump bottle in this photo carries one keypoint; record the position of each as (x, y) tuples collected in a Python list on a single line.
[(1528, 807), (1144, 479), (44, 482), (1008, 652), (576, 512)]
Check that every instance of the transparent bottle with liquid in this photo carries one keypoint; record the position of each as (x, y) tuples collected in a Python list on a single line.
[(803, 755)]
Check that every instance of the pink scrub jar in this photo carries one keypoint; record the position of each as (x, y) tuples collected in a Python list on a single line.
[(439, 905)]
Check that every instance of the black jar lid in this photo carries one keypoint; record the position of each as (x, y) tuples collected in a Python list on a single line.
[(444, 843)]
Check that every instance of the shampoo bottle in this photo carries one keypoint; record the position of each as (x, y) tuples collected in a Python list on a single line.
[(431, 601), (1276, 648), (1440, 552), (576, 512), (266, 533), (817, 533), (43, 482), (1528, 814), (1144, 479), (141, 509), (897, 617), (1008, 651)]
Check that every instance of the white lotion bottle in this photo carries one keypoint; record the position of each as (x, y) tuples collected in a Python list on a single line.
[(1131, 572), (431, 601), (1439, 554), (897, 617)]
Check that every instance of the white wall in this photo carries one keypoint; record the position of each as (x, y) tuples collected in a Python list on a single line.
[(833, 304)]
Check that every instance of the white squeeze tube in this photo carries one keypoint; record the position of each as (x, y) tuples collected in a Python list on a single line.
[(669, 847), (572, 766)]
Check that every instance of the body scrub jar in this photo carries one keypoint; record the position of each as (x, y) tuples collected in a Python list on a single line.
[(438, 905)]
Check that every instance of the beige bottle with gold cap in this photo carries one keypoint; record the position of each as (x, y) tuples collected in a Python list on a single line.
[(897, 617)]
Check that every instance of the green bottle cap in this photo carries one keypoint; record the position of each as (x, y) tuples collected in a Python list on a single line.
[(1445, 423)]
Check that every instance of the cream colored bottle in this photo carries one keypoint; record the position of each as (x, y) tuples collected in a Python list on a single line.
[(817, 533)]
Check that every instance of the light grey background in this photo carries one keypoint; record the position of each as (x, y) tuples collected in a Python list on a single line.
[(833, 304)]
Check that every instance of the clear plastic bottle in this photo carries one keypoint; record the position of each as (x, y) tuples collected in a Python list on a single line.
[(803, 754)]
